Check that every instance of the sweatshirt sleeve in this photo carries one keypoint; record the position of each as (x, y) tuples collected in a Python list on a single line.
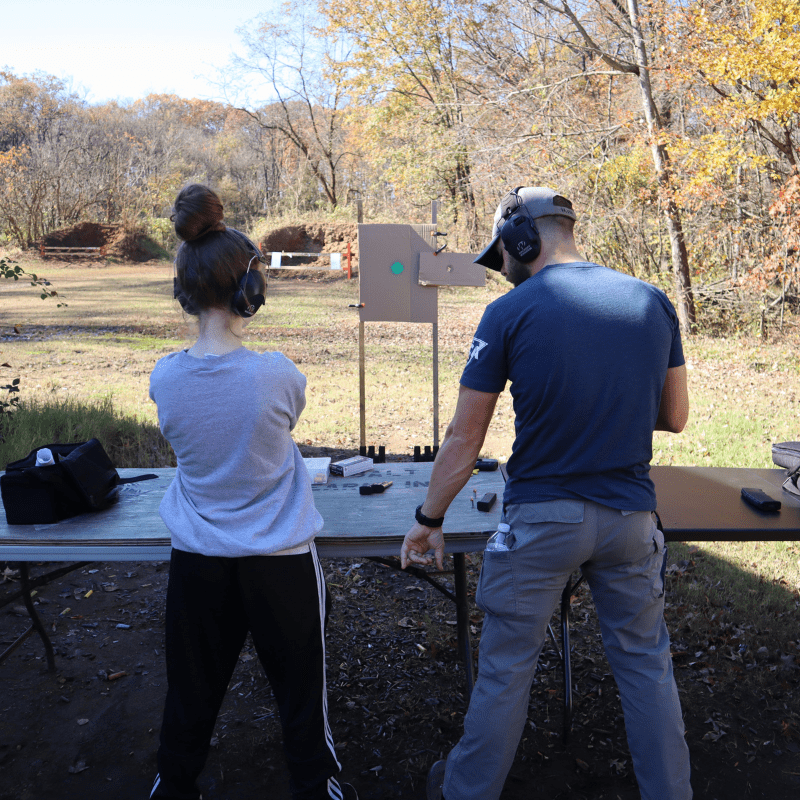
[(294, 386)]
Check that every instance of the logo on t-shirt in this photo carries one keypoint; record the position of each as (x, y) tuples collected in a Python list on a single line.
[(475, 349)]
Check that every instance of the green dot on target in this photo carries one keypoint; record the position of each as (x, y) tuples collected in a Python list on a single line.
[(397, 268)]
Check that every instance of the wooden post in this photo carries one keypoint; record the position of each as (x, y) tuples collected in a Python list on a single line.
[(362, 402), (360, 211), (435, 335), (349, 252), (435, 384)]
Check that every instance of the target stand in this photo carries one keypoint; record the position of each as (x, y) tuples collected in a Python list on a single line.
[(400, 270)]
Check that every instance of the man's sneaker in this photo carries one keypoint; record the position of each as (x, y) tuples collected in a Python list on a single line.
[(433, 789)]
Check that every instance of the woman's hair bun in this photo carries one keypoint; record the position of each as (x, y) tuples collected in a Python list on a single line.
[(198, 211)]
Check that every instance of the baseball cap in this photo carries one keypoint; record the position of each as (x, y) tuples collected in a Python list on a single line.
[(538, 201)]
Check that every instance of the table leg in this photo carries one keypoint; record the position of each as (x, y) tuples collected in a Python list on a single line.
[(36, 623), (43, 580), (459, 598), (15, 644), (566, 659), (462, 618)]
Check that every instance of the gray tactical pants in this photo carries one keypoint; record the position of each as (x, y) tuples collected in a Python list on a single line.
[(622, 555)]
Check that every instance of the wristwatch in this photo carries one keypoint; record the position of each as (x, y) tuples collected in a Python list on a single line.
[(427, 521)]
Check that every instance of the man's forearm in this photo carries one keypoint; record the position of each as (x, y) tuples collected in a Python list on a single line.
[(451, 471), (459, 451)]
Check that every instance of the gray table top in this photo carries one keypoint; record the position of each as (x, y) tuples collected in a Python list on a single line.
[(355, 525), (694, 503)]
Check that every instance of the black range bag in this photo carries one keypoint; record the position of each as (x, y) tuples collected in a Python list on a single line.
[(787, 454), (82, 479)]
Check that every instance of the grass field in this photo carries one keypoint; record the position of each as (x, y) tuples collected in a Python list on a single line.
[(119, 319)]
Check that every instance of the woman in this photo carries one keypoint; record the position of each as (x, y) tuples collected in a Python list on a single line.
[(241, 515)]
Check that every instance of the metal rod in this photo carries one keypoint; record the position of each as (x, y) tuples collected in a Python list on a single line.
[(459, 598), (566, 662), (417, 572), (35, 621), (435, 336), (566, 657), (462, 618), (435, 384), (362, 394), (42, 580), (15, 644)]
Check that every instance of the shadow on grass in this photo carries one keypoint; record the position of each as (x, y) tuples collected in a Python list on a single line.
[(754, 586)]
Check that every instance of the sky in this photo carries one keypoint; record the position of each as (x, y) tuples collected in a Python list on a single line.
[(125, 49)]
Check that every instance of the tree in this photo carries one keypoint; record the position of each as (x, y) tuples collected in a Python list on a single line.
[(546, 113), (624, 49), (747, 53), (37, 163), (783, 265), (739, 71), (295, 64), (409, 80)]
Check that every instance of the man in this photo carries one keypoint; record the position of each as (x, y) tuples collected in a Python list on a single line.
[(595, 362)]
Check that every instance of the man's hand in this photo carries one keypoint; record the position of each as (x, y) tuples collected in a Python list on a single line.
[(419, 540), (451, 471)]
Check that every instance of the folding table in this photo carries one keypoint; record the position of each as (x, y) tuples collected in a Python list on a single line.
[(694, 504)]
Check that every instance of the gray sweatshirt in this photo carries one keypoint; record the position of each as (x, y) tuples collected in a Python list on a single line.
[(241, 487)]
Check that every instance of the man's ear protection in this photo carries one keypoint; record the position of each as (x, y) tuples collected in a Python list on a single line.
[(519, 233)]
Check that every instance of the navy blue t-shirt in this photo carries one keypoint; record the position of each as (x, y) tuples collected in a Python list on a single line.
[(587, 350)]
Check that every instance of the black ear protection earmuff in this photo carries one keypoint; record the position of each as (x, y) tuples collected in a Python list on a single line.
[(519, 233), (180, 295), (249, 296)]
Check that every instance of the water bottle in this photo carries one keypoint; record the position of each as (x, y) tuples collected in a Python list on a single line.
[(44, 457), (502, 541)]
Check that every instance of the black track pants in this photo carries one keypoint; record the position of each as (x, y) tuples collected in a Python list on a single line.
[(212, 603)]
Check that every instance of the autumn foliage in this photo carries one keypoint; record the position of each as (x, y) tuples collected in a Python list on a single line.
[(673, 127)]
